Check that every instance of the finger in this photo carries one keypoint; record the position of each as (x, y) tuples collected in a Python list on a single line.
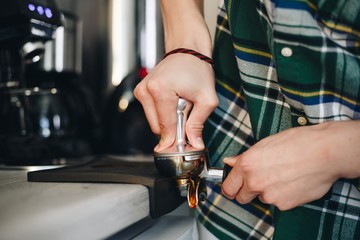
[(143, 96), (232, 184), (230, 161), (262, 199), (195, 124), (244, 196), (165, 105)]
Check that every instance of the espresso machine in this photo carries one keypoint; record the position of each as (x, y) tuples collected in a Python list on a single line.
[(38, 117), (25, 25)]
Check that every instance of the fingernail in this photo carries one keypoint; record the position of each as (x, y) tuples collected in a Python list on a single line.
[(229, 161), (156, 149), (199, 143), (159, 146), (226, 160)]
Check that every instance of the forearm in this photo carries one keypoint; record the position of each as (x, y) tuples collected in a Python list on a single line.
[(184, 26)]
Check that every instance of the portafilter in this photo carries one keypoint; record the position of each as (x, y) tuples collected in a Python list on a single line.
[(187, 165)]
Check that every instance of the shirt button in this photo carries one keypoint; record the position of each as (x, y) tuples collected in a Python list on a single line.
[(302, 121), (286, 52)]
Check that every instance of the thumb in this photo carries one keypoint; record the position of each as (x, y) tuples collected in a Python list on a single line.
[(194, 129), (194, 133), (230, 161), (196, 120)]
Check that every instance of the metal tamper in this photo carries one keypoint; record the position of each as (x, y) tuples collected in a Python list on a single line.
[(186, 164)]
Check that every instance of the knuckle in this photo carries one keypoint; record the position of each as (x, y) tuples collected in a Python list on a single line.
[(241, 199), (284, 205), (246, 163), (212, 103), (253, 185), (227, 191), (140, 91), (155, 87), (230, 187), (277, 199), (267, 198)]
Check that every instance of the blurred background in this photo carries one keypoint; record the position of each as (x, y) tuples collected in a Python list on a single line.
[(69, 93)]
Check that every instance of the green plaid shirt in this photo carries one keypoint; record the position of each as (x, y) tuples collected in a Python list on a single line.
[(281, 64)]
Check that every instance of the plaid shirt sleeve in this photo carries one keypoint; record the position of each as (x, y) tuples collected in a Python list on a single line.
[(281, 64)]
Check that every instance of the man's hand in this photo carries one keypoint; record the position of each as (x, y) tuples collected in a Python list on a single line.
[(178, 75), (295, 166)]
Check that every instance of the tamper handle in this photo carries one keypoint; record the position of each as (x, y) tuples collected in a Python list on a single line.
[(180, 125)]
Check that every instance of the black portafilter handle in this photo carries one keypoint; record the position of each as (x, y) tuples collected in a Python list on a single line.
[(226, 171)]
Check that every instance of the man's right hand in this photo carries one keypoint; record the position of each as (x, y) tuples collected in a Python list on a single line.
[(178, 75)]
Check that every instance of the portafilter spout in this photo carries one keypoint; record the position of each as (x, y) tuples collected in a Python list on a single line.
[(187, 165)]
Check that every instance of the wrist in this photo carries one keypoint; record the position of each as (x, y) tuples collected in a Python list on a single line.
[(185, 27), (191, 52)]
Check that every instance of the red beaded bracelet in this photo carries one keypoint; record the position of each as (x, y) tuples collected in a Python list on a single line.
[(192, 52)]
